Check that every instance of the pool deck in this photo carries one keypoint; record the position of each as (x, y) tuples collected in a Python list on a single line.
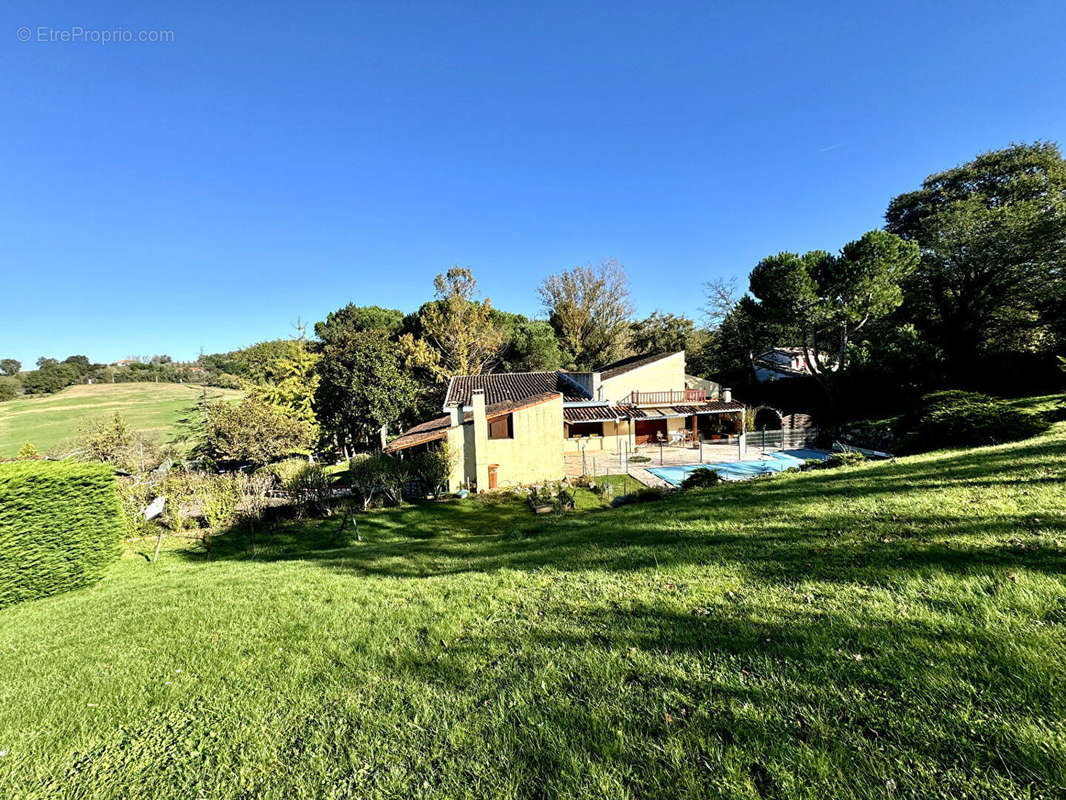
[(603, 462)]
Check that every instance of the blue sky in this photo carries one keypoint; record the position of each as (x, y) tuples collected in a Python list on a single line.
[(274, 162)]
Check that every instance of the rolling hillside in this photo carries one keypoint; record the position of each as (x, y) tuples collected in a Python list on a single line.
[(892, 629), (155, 408)]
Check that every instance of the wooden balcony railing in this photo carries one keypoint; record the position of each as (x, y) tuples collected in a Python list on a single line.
[(668, 397)]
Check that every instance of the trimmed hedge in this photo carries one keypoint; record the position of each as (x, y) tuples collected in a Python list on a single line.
[(60, 527)]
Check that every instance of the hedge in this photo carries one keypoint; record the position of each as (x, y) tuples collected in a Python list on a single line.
[(60, 527)]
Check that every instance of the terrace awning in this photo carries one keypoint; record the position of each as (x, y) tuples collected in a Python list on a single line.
[(586, 413)]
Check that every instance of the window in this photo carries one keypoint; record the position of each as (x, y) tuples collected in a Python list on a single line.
[(578, 429), (501, 428)]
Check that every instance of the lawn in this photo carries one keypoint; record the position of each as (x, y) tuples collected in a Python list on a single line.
[(893, 629), (155, 408)]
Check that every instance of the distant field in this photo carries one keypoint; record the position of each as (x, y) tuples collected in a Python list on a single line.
[(156, 408)]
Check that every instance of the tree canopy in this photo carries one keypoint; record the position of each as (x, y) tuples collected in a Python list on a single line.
[(992, 234), (589, 308)]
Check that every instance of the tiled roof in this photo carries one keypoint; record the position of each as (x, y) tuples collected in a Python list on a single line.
[(610, 413), (437, 428), (429, 431), (504, 386), (623, 365)]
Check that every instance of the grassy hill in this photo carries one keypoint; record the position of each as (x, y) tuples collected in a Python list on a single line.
[(890, 629), (155, 408)]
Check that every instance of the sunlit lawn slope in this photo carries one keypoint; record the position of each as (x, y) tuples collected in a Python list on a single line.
[(893, 629), (153, 408)]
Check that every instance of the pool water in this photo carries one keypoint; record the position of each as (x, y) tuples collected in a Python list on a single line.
[(741, 470)]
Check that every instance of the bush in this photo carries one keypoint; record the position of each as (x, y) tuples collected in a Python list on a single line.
[(28, 452), (220, 500), (250, 432), (966, 419), (701, 478), (9, 388), (835, 460), (309, 487), (60, 527), (377, 474), (430, 468)]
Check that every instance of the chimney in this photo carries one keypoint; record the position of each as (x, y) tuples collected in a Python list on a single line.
[(481, 440), (596, 388), (453, 416), (727, 395)]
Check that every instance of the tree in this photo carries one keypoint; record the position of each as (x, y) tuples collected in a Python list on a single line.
[(9, 388), (363, 385), (10, 366), (360, 318), (376, 473), (460, 326), (992, 234), (251, 432), (589, 308), (529, 344), (661, 333), (290, 384), (827, 299)]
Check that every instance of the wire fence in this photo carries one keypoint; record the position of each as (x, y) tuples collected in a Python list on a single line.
[(705, 451)]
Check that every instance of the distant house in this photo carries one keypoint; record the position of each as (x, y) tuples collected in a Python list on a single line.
[(785, 362), (125, 362), (508, 429)]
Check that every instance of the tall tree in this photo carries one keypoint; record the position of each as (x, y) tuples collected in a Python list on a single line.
[(363, 385), (360, 318), (589, 308), (460, 325), (660, 333), (828, 298), (291, 383), (992, 234), (10, 366), (529, 344)]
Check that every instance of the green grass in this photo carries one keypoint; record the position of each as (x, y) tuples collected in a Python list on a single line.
[(883, 630), (49, 420)]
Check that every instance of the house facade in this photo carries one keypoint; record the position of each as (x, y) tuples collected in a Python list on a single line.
[(786, 362), (510, 429)]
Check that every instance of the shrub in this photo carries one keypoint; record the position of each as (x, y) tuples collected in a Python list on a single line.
[(284, 471), (966, 419), (309, 487), (28, 452), (60, 527), (250, 432), (9, 388), (639, 459), (701, 479), (835, 460), (220, 499), (378, 474), (430, 468)]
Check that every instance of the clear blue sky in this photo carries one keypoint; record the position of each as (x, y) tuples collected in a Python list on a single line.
[(271, 163)]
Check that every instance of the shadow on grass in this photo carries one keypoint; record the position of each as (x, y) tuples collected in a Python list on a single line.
[(831, 525)]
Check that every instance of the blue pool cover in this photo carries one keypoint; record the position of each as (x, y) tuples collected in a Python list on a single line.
[(741, 470)]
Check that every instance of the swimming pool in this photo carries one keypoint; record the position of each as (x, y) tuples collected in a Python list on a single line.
[(741, 470)]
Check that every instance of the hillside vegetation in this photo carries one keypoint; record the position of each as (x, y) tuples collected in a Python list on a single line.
[(153, 408), (886, 629)]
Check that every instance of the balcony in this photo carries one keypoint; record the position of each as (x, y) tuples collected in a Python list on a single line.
[(668, 397)]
